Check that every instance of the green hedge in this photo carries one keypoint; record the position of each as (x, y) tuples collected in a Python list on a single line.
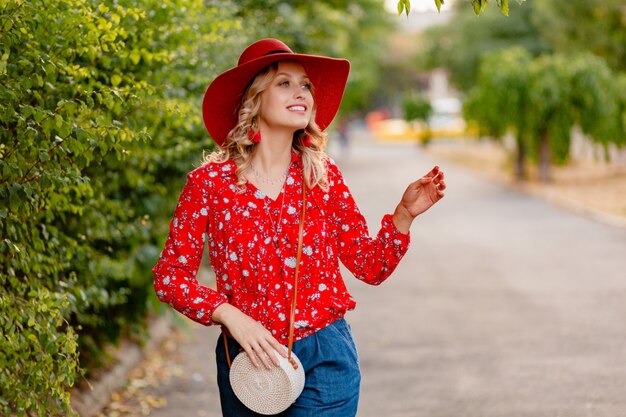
[(93, 137)]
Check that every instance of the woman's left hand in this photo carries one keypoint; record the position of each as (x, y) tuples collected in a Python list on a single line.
[(419, 197)]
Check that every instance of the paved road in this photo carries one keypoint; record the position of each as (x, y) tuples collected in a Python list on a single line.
[(504, 306)]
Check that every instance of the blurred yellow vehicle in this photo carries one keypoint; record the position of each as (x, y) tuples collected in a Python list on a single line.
[(392, 129), (446, 121)]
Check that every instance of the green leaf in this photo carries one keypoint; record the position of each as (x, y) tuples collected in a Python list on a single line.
[(479, 6), (39, 115), (3, 63), (115, 80), (504, 6), (135, 55)]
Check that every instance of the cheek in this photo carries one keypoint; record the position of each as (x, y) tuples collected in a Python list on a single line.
[(265, 101), (268, 104), (311, 101)]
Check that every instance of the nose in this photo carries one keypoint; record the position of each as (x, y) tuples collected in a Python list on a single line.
[(299, 94)]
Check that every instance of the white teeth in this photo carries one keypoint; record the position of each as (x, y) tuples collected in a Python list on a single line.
[(296, 108)]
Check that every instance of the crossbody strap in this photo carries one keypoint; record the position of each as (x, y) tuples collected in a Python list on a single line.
[(292, 314)]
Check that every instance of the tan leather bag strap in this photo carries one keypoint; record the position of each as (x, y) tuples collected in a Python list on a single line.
[(292, 314)]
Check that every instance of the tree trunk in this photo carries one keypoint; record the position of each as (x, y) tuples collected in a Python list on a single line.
[(545, 157), (520, 166)]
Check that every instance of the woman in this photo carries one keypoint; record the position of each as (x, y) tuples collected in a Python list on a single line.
[(268, 116)]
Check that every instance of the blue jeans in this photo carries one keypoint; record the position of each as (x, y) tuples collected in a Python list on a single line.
[(331, 367)]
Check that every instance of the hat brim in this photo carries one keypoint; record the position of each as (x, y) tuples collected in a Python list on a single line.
[(221, 100)]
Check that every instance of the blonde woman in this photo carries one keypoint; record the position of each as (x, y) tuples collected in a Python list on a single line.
[(268, 115)]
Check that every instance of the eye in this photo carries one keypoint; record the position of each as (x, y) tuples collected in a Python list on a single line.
[(307, 86), (283, 83)]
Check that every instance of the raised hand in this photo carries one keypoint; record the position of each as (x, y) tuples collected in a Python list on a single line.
[(419, 197)]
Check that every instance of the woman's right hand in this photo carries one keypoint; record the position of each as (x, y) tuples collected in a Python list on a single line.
[(255, 339)]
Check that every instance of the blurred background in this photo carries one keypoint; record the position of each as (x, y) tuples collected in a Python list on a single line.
[(100, 113)]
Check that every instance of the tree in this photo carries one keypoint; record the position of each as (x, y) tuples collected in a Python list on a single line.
[(357, 29), (598, 26), (500, 101), (416, 107), (542, 99), (460, 44)]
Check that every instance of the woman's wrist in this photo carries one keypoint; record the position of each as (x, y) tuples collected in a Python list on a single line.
[(402, 219), (223, 312)]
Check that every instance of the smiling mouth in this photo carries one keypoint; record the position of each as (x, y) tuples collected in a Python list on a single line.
[(296, 108)]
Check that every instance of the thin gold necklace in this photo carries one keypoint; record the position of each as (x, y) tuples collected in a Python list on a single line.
[(266, 180)]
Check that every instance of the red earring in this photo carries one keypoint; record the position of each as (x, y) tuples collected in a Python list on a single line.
[(307, 141), (254, 136)]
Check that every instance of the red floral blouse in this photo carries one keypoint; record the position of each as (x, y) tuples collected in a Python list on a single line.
[(252, 243)]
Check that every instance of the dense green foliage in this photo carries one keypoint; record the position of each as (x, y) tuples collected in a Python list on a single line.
[(598, 26), (502, 84), (459, 45), (355, 30), (541, 99), (416, 107), (540, 26), (100, 120), (547, 67), (94, 103)]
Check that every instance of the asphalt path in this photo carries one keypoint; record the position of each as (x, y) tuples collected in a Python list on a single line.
[(504, 306)]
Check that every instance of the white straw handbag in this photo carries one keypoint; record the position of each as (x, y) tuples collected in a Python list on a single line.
[(271, 391), (266, 391)]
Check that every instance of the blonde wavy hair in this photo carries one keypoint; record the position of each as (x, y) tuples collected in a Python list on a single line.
[(239, 147)]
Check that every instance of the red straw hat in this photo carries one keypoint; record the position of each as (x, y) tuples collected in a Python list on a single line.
[(222, 98)]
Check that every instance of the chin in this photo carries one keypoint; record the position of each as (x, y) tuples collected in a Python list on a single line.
[(299, 126)]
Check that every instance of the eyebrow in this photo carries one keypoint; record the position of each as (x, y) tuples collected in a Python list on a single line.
[(303, 77)]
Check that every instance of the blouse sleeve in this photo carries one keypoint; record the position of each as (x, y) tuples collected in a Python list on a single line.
[(175, 279), (371, 260)]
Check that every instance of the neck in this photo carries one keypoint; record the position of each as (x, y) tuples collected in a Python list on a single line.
[(273, 153)]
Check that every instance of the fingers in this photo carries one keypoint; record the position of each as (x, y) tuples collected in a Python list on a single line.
[(433, 172), (435, 176), (440, 186), (265, 353), (259, 356), (278, 348), (252, 355), (270, 349), (438, 177), (435, 183)]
